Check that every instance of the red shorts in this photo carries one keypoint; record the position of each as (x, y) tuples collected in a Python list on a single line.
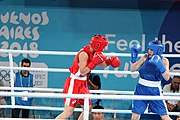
[(75, 86)]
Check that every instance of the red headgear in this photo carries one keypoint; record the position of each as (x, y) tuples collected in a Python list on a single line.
[(98, 42)]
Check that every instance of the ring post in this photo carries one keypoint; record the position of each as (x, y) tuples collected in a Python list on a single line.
[(86, 108), (11, 78)]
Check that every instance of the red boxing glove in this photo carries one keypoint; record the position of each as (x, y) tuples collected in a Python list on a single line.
[(113, 61), (98, 58)]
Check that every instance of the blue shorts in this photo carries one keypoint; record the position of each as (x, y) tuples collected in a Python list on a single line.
[(155, 106)]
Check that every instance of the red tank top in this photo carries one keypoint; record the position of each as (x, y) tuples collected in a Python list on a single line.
[(74, 69)]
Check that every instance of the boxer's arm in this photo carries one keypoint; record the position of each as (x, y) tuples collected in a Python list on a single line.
[(83, 57), (166, 74), (115, 62), (102, 65), (137, 64)]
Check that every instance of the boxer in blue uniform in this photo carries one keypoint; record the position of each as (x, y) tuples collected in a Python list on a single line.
[(152, 69)]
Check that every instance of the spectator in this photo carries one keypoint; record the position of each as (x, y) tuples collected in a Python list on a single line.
[(2, 101), (173, 87), (178, 118), (94, 83), (23, 79), (98, 115)]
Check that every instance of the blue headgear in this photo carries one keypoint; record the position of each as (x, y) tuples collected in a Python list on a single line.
[(157, 47)]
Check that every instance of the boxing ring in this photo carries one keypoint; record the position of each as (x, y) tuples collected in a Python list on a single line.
[(57, 93)]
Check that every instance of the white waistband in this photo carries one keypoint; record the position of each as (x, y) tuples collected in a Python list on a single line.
[(149, 83), (77, 77)]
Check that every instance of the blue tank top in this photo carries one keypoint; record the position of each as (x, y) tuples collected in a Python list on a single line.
[(149, 71)]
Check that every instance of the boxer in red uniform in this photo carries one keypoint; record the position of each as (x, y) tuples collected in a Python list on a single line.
[(86, 60)]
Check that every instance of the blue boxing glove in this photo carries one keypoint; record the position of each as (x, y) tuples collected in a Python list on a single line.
[(135, 50), (156, 60)]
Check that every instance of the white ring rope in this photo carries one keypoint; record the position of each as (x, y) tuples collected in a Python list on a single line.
[(112, 92), (77, 109), (67, 70), (91, 96), (74, 53), (115, 95)]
